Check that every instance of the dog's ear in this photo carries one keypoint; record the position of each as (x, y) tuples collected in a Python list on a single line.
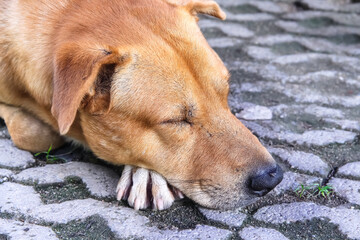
[(79, 75), (208, 7)]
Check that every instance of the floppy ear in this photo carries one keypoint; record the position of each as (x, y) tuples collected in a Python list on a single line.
[(75, 71), (208, 7)]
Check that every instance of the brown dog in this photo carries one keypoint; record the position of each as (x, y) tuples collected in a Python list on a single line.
[(137, 83)]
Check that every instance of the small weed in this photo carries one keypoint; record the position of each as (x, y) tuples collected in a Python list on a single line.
[(50, 159), (314, 189)]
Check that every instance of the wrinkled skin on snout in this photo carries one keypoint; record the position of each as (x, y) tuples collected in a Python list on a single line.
[(168, 112)]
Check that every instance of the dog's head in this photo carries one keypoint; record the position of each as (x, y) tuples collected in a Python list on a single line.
[(149, 91)]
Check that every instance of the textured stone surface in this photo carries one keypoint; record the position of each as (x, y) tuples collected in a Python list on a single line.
[(123, 221), (5, 173), (350, 169), (302, 161), (230, 218), (252, 233), (346, 188), (293, 180), (100, 181), (348, 220), (313, 137), (224, 42), (255, 113), (324, 111), (12, 157), (23, 231), (232, 29)]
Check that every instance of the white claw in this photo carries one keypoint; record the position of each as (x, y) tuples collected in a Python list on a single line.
[(162, 195), (134, 182), (137, 197), (124, 183)]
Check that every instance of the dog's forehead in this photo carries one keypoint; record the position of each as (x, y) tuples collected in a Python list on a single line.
[(161, 78)]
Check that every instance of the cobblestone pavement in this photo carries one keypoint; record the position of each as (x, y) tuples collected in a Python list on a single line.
[(295, 83)]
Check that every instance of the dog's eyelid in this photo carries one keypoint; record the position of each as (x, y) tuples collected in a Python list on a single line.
[(177, 120)]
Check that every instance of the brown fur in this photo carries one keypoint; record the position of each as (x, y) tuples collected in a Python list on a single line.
[(134, 80)]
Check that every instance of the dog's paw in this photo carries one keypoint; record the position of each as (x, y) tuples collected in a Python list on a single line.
[(143, 188)]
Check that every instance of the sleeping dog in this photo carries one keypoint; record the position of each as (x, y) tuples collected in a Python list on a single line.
[(136, 82)]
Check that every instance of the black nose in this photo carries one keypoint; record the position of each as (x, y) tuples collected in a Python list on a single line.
[(263, 183)]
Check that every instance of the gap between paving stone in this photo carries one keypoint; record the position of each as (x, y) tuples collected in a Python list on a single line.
[(100, 181), (24, 231), (264, 6), (301, 94), (231, 218), (303, 161), (348, 220), (312, 137), (124, 222), (231, 29), (14, 158), (257, 233)]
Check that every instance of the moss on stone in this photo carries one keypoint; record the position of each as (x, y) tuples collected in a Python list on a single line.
[(93, 227), (73, 188)]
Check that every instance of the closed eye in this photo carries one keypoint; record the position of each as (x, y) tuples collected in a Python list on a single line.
[(177, 121), (185, 118)]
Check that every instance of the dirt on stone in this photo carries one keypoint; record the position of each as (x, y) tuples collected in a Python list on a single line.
[(94, 227)]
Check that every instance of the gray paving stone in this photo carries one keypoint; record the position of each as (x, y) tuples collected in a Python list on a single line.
[(100, 181), (260, 53), (307, 162), (333, 5), (254, 233), (343, 18), (293, 180), (200, 232), (249, 17), (350, 169), (348, 220), (231, 29), (302, 94), (295, 27), (345, 124), (320, 137), (230, 218), (12, 157), (224, 42), (274, 75), (255, 112), (124, 222), (312, 43), (23, 231), (314, 137), (306, 57), (265, 6), (349, 189), (5, 173), (324, 111)]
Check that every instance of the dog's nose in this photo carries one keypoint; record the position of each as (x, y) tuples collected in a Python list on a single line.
[(263, 183)]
